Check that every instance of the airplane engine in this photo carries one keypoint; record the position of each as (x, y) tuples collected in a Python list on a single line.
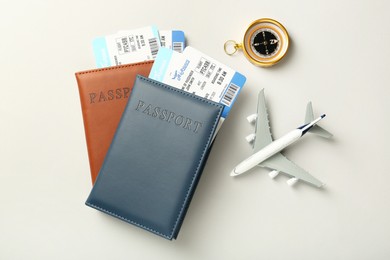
[(292, 181), (273, 174), (252, 118), (250, 138)]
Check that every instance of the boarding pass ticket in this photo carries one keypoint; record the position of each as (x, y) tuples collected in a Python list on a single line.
[(132, 46), (197, 73)]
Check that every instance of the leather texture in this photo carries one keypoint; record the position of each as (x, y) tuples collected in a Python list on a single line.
[(156, 157), (103, 95)]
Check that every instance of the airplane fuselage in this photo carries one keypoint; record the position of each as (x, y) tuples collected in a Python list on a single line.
[(273, 148), (269, 150)]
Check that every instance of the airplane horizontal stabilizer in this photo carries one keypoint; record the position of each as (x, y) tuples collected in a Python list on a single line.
[(318, 130)]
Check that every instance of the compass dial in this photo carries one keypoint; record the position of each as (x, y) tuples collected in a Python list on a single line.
[(265, 42)]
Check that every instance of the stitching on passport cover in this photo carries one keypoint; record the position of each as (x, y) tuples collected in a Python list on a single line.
[(114, 67), (125, 219), (177, 90)]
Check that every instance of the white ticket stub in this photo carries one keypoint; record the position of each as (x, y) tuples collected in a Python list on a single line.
[(197, 73), (127, 47)]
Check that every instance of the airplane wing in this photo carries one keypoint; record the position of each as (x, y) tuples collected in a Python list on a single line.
[(263, 133), (280, 163)]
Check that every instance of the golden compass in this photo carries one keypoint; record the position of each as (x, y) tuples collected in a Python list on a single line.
[(265, 42)]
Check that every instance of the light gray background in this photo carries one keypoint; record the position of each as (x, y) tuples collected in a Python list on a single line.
[(338, 59)]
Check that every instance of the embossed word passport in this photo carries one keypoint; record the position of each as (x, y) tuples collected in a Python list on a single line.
[(156, 157), (103, 96)]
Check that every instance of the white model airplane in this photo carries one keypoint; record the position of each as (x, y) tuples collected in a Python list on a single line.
[(266, 151)]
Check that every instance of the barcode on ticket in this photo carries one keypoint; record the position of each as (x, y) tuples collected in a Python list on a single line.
[(230, 94), (153, 47), (178, 46)]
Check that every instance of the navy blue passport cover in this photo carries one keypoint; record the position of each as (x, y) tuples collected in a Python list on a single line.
[(156, 158)]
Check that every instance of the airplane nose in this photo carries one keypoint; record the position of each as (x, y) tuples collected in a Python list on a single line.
[(233, 172)]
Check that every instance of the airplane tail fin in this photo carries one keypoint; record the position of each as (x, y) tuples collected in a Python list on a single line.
[(318, 130)]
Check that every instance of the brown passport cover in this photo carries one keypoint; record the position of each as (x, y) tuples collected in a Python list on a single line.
[(103, 95)]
